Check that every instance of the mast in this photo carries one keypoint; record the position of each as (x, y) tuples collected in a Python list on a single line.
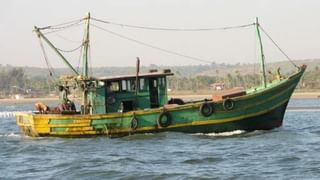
[(263, 71), (40, 35), (86, 48), (137, 75), (85, 103), (137, 80)]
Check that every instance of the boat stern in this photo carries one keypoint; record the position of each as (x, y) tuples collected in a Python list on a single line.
[(25, 121)]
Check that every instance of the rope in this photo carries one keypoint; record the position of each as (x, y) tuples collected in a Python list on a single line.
[(50, 69), (62, 25), (172, 29), (79, 60), (67, 39), (71, 50), (291, 61), (61, 29), (151, 46), (254, 51)]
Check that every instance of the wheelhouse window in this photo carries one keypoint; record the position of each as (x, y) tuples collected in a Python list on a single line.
[(113, 86), (128, 85), (155, 83), (132, 84), (162, 82), (142, 84), (124, 85)]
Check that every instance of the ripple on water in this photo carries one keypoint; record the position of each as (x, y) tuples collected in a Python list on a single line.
[(288, 159), (203, 160), (289, 152)]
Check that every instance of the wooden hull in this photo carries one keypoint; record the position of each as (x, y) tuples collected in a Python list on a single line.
[(259, 109)]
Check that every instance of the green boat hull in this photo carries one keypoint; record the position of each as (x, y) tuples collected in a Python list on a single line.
[(259, 109), (266, 121)]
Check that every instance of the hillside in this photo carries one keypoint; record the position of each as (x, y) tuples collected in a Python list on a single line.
[(36, 82), (183, 71), (285, 67)]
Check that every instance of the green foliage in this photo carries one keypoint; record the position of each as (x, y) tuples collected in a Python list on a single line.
[(203, 82), (193, 77), (13, 80), (311, 80)]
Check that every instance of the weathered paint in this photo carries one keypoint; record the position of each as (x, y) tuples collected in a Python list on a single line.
[(263, 108)]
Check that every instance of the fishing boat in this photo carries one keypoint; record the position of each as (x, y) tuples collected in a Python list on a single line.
[(124, 105)]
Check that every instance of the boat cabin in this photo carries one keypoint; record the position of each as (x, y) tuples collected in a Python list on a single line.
[(119, 93)]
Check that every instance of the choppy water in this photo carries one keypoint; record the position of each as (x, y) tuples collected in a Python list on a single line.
[(289, 152)]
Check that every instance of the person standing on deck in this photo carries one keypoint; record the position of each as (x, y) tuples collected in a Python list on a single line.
[(63, 96), (65, 103)]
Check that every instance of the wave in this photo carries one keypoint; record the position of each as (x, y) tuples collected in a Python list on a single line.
[(222, 134), (10, 135), (9, 114)]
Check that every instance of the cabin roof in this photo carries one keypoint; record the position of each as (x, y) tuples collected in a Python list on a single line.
[(150, 74)]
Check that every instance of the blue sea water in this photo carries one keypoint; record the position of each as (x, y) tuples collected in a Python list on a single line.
[(289, 152)]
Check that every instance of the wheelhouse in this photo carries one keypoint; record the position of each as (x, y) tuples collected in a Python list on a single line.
[(130, 92)]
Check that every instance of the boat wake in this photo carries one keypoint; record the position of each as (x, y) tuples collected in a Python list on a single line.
[(10, 114), (10, 135), (223, 134)]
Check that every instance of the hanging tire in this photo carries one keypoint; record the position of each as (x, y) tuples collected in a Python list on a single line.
[(228, 104), (134, 123), (111, 99), (206, 109), (164, 119)]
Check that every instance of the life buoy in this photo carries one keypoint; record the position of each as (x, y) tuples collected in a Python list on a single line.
[(134, 123), (164, 119), (206, 109), (228, 104), (111, 100)]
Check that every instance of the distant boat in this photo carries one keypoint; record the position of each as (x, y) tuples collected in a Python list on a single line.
[(124, 105)]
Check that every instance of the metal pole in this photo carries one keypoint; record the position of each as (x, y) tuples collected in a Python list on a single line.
[(86, 48), (137, 79), (85, 67)]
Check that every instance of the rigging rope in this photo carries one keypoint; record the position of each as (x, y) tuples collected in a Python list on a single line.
[(62, 25), (61, 29), (291, 61), (50, 68), (79, 60), (254, 51), (74, 23), (150, 46), (67, 39), (172, 29), (71, 50)]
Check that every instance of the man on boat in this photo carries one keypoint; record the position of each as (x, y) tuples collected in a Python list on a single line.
[(65, 103)]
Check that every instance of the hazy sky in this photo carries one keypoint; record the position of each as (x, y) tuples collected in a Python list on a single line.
[(293, 24)]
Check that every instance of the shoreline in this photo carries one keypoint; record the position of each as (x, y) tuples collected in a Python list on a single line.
[(296, 95)]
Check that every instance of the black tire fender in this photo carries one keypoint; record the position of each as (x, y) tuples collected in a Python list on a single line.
[(228, 104), (206, 109), (111, 99), (164, 119), (134, 123)]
